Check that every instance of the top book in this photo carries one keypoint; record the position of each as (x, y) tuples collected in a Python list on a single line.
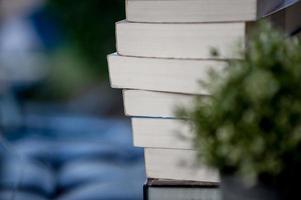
[(193, 11)]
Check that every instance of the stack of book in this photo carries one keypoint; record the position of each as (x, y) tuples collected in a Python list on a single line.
[(164, 49)]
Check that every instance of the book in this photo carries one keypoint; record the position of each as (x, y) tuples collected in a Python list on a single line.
[(197, 40), (142, 103), (192, 11), (292, 17), (177, 164), (167, 75), (155, 189), (162, 133), (184, 41)]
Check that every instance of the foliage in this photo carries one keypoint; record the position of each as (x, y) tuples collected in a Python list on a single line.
[(252, 123), (80, 35), (90, 27)]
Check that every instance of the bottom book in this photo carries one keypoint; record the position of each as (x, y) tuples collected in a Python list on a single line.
[(156, 189)]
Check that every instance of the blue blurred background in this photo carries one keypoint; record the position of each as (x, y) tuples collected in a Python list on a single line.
[(62, 130)]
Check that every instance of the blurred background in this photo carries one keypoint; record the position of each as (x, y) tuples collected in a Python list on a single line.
[(62, 130)]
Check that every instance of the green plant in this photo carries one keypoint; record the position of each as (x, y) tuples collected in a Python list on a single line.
[(252, 123), (89, 26)]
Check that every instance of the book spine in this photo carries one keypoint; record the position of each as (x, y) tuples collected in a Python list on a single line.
[(145, 190)]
